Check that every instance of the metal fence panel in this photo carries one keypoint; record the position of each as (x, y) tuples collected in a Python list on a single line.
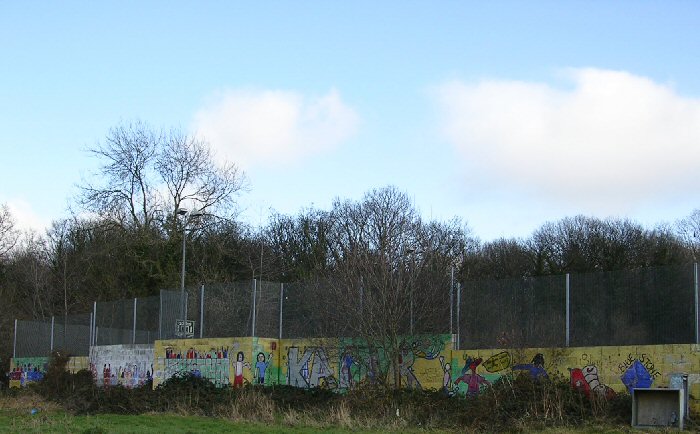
[(228, 309), (33, 338), (147, 319), (528, 312), (633, 307), (170, 306), (72, 334)]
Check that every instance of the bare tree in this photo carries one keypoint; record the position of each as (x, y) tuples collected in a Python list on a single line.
[(688, 230), (388, 274), (139, 164), (190, 173), (8, 234)]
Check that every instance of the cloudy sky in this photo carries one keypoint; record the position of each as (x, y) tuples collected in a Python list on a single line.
[(505, 114)]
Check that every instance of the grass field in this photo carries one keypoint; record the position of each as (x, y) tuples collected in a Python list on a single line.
[(59, 422), (16, 417)]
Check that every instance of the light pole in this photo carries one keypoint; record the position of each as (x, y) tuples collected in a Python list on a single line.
[(188, 215)]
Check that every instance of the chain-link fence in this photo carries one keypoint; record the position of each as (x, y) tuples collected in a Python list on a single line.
[(648, 306), (634, 307), (39, 338)]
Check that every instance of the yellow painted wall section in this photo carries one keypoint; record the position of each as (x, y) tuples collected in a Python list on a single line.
[(224, 361), (593, 370), (343, 363)]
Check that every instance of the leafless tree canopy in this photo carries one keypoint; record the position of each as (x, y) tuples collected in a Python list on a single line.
[(146, 175), (8, 234)]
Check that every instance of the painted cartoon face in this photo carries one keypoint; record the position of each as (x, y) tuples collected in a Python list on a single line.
[(239, 356), (447, 367), (261, 357)]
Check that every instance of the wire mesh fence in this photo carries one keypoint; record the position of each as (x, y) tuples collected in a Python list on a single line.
[(634, 307), (527, 312)]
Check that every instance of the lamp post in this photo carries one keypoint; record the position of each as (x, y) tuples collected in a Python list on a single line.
[(188, 215)]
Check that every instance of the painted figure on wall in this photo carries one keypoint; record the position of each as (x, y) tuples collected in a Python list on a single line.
[(261, 367), (238, 369), (346, 362), (406, 360), (106, 374), (535, 368), (469, 376), (447, 387)]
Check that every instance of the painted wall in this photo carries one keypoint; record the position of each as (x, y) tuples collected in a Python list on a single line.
[(427, 362), (124, 365), (224, 361), (604, 371), (25, 370), (343, 363)]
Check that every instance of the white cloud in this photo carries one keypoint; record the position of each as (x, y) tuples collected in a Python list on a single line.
[(25, 218), (612, 142), (271, 127)]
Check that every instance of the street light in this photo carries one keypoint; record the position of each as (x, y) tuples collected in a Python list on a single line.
[(188, 215)]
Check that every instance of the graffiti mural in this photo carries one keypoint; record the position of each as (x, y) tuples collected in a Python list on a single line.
[(587, 381), (469, 376), (309, 368), (341, 364), (535, 368), (26, 370), (122, 365), (637, 376), (223, 361)]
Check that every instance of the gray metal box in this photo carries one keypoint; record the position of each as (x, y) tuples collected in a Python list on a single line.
[(658, 408)]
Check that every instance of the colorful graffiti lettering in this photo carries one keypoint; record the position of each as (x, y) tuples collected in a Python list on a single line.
[(311, 370), (644, 360)]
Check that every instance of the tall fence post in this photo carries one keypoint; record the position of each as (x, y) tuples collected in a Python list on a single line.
[(411, 311), (281, 306), (255, 296), (697, 306), (133, 335), (568, 310), (14, 344), (160, 316), (94, 324), (459, 299), (52, 329), (201, 312), (90, 334), (452, 286)]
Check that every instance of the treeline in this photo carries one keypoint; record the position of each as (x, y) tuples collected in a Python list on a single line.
[(125, 239)]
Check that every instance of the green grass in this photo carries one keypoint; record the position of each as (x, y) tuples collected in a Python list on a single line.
[(61, 422)]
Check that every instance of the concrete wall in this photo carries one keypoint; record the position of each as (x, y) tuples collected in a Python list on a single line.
[(427, 362), (125, 365)]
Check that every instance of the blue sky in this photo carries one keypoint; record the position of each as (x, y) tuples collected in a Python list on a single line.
[(505, 114)]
